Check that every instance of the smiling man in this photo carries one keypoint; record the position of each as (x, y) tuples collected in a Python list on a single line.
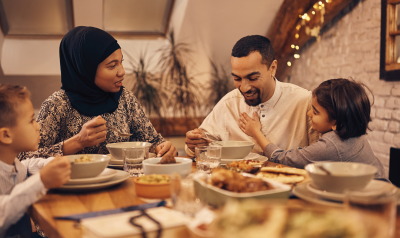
[(282, 107)]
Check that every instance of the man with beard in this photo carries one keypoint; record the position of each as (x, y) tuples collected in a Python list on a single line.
[(281, 107)]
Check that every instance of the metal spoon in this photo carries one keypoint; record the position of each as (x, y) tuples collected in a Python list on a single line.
[(118, 132), (321, 167)]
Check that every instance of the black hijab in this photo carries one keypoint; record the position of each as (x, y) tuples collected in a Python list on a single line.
[(81, 50)]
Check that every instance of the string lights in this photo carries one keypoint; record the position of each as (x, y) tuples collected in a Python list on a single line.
[(318, 7)]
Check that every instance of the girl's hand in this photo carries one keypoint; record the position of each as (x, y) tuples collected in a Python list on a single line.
[(249, 125)]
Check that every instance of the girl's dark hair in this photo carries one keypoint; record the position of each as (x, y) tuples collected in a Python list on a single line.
[(347, 102)]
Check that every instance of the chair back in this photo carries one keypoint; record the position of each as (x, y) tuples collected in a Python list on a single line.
[(394, 166)]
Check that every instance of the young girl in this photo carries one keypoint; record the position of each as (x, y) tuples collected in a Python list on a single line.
[(341, 113)]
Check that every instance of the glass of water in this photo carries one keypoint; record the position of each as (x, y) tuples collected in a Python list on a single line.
[(208, 158), (133, 158)]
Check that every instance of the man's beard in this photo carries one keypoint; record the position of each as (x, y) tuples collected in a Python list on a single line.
[(252, 102)]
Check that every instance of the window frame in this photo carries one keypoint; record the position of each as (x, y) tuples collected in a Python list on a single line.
[(5, 27), (147, 34), (389, 69)]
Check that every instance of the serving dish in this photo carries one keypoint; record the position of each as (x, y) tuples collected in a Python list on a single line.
[(87, 169), (152, 190), (183, 166), (217, 197)]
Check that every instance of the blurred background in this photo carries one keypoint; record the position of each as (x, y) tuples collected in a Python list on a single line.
[(177, 52)]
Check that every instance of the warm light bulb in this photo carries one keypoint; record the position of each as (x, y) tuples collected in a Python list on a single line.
[(289, 63), (298, 27), (319, 2), (296, 56), (297, 36), (297, 47), (313, 12), (292, 46), (327, 1)]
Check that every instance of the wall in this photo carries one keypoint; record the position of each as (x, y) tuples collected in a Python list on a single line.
[(351, 48)]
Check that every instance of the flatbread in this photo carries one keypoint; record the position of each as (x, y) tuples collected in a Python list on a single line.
[(280, 177), (284, 170)]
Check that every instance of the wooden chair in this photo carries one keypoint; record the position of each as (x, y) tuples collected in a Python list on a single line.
[(394, 166)]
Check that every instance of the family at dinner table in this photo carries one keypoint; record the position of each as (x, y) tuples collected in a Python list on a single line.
[(288, 124)]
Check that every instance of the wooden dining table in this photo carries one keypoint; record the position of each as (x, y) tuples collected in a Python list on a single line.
[(123, 195)]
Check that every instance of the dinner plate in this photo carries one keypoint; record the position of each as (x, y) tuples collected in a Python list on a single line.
[(106, 175), (119, 177), (301, 191), (375, 186), (248, 157)]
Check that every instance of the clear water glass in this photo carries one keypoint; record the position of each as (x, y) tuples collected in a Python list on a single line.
[(183, 195), (207, 158), (133, 159)]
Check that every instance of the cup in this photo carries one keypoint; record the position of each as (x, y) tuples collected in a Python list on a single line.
[(183, 195), (207, 158), (376, 209), (133, 158)]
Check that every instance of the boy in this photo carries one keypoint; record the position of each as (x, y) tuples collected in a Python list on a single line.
[(19, 132)]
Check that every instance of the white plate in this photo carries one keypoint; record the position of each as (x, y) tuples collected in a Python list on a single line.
[(121, 162), (248, 157), (119, 177), (106, 175), (372, 187), (302, 192)]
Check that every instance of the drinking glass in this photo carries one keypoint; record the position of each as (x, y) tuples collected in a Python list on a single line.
[(183, 195), (207, 158), (376, 209), (133, 158)]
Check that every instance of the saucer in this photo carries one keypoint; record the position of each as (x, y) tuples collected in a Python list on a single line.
[(302, 192), (375, 186), (119, 177), (106, 175)]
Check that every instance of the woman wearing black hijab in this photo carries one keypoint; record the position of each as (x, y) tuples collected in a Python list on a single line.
[(73, 120)]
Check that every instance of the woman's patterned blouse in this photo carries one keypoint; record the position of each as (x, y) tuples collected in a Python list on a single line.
[(59, 121)]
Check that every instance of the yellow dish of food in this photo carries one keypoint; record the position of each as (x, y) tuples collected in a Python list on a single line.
[(152, 186)]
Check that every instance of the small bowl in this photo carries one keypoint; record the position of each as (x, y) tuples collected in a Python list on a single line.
[(88, 169), (183, 168), (152, 190), (235, 149), (344, 175), (115, 149)]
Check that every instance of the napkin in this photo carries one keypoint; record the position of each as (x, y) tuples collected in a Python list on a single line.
[(78, 217)]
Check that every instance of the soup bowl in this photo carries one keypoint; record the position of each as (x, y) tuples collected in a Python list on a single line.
[(87, 169)]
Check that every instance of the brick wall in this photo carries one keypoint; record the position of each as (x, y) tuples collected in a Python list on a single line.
[(351, 48)]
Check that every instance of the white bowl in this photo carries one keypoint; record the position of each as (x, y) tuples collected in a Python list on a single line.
[(115, 149), (183, 168), (235, 149), (88, 169), (344, 175)]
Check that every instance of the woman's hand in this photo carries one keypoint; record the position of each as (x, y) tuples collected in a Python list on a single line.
[(166, 147), (249, 125), (92, 133)]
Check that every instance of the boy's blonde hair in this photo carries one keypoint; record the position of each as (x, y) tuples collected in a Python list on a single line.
[(10, 97)]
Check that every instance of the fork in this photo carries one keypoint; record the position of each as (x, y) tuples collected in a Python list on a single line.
[(118, 132)]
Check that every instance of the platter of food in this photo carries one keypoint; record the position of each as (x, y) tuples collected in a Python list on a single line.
[(225, 184), (284, 175)]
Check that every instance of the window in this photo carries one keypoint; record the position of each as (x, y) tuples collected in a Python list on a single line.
[(137, 17), (38, 17), (390, 40)]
